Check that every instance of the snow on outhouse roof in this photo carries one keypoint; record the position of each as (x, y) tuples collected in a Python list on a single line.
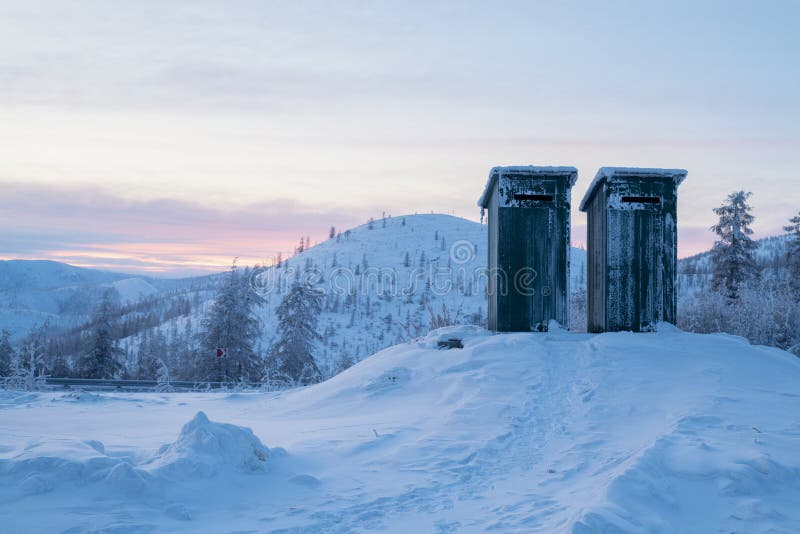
[(678, 175), (524, 169)]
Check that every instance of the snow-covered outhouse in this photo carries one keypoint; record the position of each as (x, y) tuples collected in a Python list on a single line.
[(631, 248), (529, 239)]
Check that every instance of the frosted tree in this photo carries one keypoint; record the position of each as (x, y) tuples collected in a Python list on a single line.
[(733, 255), (28, 363), (100, 359), (152, 349), (163, 381), (332, 232), (344, 362), (232, 326), (793, 251), (6, 353), (292, 356)]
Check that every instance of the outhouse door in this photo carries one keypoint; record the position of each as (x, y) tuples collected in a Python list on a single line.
[(635, 271), (529, 267)]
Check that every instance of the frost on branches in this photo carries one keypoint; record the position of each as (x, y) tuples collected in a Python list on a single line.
[(733, 255), (292, 356)]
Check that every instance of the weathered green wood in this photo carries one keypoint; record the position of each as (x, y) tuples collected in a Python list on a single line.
[(632, 252), (492, 280), (596, 264), (529, 239)]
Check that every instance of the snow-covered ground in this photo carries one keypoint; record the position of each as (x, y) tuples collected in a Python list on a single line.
[(670, 431)]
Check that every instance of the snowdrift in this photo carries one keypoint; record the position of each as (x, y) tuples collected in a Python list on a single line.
[(552, 432), (203, 449)]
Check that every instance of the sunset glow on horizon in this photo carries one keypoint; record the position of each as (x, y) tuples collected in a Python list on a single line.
[(168, 139)]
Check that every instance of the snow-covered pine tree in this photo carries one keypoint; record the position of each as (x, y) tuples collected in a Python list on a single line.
[(153, 348), (292, 356), (332, 232), (232, 325), (6, 353), (793, 252), (163, 381), (100, 359), (733, 255)]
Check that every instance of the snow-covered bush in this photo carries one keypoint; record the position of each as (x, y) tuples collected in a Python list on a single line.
[(766, 312)]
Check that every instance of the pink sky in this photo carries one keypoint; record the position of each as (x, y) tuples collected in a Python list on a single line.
[(171, 138)]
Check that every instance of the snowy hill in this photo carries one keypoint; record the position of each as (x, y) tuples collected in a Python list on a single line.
[(35, 291), (383, 282), (557, 432), (32, 292), (694, 272)]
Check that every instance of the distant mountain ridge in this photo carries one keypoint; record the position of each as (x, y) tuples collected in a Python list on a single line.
[(33, 292), (359, 316)]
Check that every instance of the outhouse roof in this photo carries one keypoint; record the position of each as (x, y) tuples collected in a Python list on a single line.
[(572, 172), (678, 175)]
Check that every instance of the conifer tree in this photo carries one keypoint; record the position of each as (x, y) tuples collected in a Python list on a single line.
[(100, 360), (292, 356), (6, 353), (793, 251), (733, 255), (232, 326)]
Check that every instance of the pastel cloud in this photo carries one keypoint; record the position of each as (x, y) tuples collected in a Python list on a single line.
[(150, 135), (87, 227)]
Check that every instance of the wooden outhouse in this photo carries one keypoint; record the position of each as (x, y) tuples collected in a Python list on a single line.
[(632, 253), (529, 246)]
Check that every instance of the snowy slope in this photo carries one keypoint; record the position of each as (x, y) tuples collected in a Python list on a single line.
[(694, 272), (373, 300), (557, 432), (35, 291), (32, 292), (133, 289)]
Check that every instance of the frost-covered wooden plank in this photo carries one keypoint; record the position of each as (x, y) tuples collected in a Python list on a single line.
[(632, 248), (529, 239)]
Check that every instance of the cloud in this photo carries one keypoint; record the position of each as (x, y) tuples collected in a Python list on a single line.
[(92, 228)]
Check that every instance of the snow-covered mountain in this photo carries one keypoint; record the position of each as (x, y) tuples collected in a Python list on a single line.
[(383, 282), (555, 432), (35, 291)]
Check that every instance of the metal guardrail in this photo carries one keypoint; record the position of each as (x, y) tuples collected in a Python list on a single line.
[(138, 385)]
